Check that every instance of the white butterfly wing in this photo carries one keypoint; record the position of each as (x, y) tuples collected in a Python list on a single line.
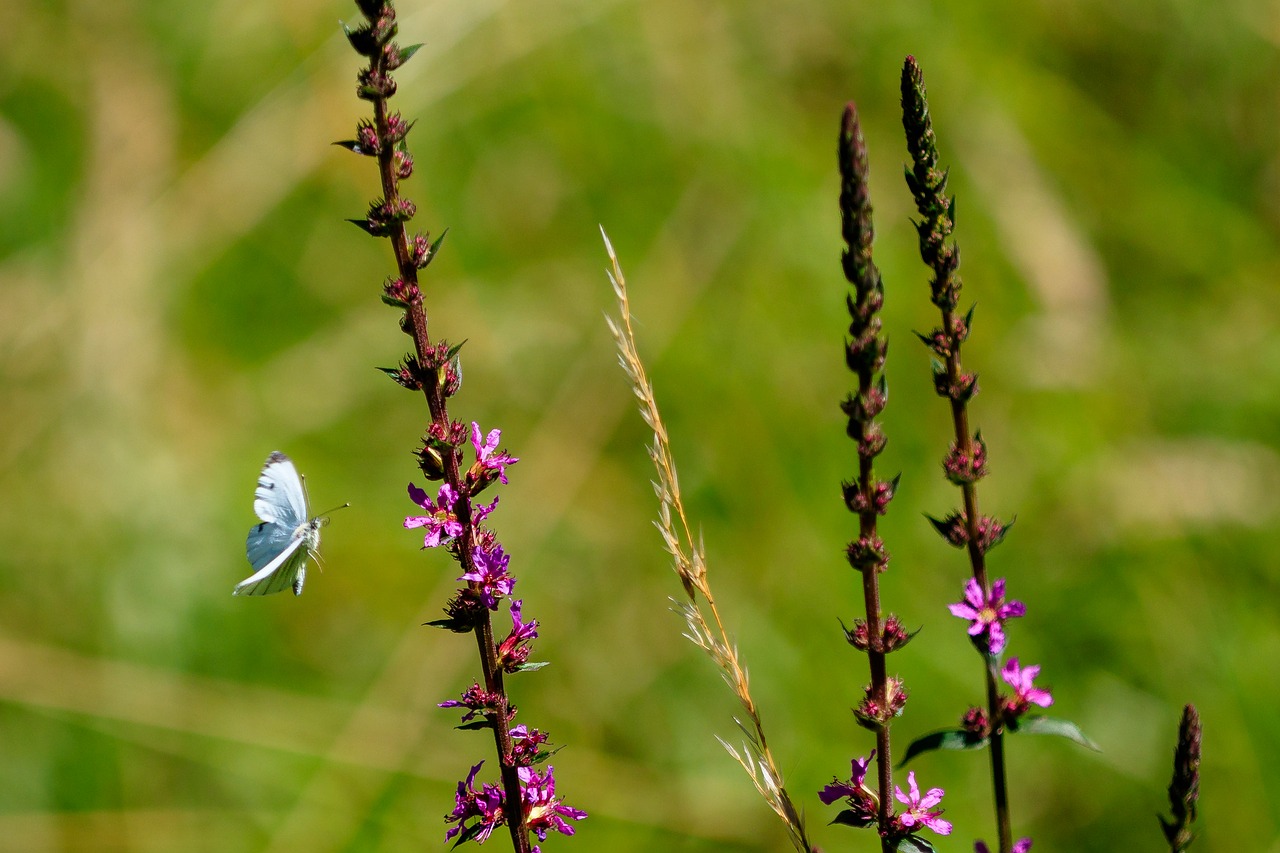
[(267, 541), (280, 497), (288, 569), (279, 546)]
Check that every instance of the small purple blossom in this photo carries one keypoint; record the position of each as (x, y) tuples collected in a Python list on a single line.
[(987, 613), (485, 804), (1022, 846), (920, 809), (1026, 694), (486, 459), (871, 713), (526, 744), (514, 651), (863, 804), (853, 787), (477, 701), (481, 511), (441, 521), (542, 811), (489, 574), (975, 721)]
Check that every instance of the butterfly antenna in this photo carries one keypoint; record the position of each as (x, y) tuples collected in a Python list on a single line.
[(324, 516)]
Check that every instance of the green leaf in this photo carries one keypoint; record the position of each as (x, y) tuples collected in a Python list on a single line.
[(457, 626), (914, 844), (533, 666), (456, 348), (912, 183), (945, 739), (362, 39), (475, 725), (355, 147), (432, 249), (849, 817), (467, 834), (1038, 725), (406, 53)]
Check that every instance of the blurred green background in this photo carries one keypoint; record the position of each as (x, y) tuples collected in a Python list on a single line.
[(179, 296)]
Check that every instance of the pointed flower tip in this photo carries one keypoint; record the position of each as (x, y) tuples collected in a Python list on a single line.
[(1022, 846)]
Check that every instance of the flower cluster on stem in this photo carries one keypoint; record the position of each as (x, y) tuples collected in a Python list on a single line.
[(868, 497), (524, 799), (983, 604)]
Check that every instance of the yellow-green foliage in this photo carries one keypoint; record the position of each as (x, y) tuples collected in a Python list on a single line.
[(179, 295)]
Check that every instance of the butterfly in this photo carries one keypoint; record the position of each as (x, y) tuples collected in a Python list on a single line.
[(278, 547)]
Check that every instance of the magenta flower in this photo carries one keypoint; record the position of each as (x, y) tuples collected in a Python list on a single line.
[(853, 787), (542, 811), (485, 804), (1025, 693), (489, 573), (987, 613), (919, 812), (514, 651), (481, 511), (862, 803), (477, 701), (486, 458), (441, 521), (1022, 846), (526, 744)]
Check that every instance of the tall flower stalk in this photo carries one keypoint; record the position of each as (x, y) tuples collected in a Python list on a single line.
[(705, 626), (966, 462), (1184, 789), (868, 497), (525, 799)]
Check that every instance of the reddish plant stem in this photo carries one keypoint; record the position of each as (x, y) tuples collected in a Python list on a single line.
[(978, 566), (865, 356), (928, 185), (875, 652), (415, 325)]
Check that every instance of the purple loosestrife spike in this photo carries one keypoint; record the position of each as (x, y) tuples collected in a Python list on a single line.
[(441, 522), (543, 812), (1184, 788), (987, 613), (920, 811), (1026, 694)]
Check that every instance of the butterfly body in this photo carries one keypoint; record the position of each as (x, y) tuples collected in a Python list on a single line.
[(279, 546)]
